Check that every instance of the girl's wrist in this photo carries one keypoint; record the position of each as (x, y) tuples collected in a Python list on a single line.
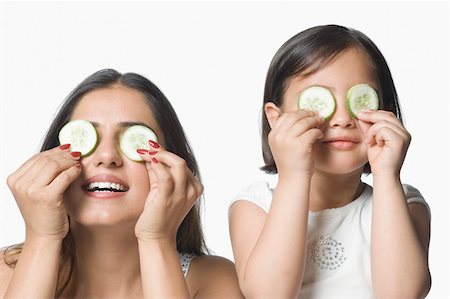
[(386, 180)]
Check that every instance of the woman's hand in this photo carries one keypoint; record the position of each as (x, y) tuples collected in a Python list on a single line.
[(38, 187), (387, 141), (291, 140), (173, 192)]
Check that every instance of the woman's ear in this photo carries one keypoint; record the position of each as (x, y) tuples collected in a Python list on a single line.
[(272, 113)]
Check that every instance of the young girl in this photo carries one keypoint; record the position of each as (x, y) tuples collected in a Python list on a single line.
[(322, 232), (106, 226)]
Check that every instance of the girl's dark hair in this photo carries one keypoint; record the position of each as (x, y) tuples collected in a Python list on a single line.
[(307, 52), (189, 235)]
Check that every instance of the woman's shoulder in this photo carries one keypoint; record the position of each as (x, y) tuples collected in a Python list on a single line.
[(6, 273), (214, 276)]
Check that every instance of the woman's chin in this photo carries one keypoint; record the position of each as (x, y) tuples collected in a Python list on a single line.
[(102, 218)]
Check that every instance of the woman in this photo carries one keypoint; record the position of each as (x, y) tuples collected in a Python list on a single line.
[(133, 240)]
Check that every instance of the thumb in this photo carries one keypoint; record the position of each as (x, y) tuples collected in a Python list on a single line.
[(365, 126), (153, 179)]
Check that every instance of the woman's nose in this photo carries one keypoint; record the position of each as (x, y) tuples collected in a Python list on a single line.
[(107, 153), (341, 117)]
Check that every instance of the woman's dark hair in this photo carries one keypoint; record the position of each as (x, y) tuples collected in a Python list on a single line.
[(309, 51), (189, 237)]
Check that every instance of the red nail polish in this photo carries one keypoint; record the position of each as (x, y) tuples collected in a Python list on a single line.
[(141, 151), (154, 160), (64, 146), (153, 144), (75, 154), (152, 153)]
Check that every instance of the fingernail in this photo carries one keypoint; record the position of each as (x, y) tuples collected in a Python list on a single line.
[(78, 164), (64, 146), (154, 160), (152, 153), (153, 144), (141, 151), (75, 154)]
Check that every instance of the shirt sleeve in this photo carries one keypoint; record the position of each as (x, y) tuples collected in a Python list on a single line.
[(413, 196), (258, 193)]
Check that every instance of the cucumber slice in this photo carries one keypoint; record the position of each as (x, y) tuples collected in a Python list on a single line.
[(318, 99), (136, 137), (81, 135), (361, 97)]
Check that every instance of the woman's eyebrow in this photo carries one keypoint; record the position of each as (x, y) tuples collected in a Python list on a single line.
[(125, 124)]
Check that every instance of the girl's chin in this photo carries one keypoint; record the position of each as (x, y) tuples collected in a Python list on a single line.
[(341, 169)]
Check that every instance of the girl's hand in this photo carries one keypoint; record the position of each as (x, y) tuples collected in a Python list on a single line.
[(387, 141), (38, 187), (291, 140), (173, 192)]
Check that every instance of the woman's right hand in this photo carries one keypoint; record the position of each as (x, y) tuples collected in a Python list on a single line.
[(38, 187), (291, 140)]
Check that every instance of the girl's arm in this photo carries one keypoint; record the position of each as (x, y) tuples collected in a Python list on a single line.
[(38, 188), (400, 239), (270, 249), (400, 233)]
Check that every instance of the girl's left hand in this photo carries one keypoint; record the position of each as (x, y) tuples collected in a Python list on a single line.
[(387, 141), (173, 192)]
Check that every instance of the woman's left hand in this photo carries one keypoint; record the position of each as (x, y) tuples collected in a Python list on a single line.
[(173, 192), (387, 141)]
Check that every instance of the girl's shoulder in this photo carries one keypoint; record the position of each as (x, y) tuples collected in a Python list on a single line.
[(214, 276), (258, 193)]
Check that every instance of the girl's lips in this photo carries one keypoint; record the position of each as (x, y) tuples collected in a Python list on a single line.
[(342, 143)]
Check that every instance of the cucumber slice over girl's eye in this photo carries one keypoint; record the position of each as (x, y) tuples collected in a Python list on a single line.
[(318, 99), (361, 97), (81, 135), (136, 137)]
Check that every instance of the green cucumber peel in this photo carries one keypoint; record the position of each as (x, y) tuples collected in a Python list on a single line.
[(134, 138), (80, 134), (319, 99), (361, 97)]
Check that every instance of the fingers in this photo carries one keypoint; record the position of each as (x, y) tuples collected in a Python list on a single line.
[(24, 168), (42, 168), (386, 127), (48, 167), (171, 172), (289, 119), (64, 179)]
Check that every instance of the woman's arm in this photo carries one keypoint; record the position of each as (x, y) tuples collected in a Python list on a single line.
[(161, 272), (38, 187), (36, 271), (173, 192)]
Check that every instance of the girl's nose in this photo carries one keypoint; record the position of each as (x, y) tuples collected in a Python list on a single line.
[(107, 153), (341, 117)]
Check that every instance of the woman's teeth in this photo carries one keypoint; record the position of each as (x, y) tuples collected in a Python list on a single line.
[(105, 187)]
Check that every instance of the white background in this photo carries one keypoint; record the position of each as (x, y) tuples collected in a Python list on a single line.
[(210, 59)]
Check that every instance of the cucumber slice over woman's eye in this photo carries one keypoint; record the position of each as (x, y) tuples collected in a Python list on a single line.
[(81, 135), (361, 97), (136, 137), (319, 99)]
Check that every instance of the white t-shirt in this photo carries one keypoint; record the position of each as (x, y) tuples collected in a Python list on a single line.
[(338, 245)]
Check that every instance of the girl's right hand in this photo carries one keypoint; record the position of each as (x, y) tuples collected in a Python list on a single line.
[(38, 187), (291, 141)]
